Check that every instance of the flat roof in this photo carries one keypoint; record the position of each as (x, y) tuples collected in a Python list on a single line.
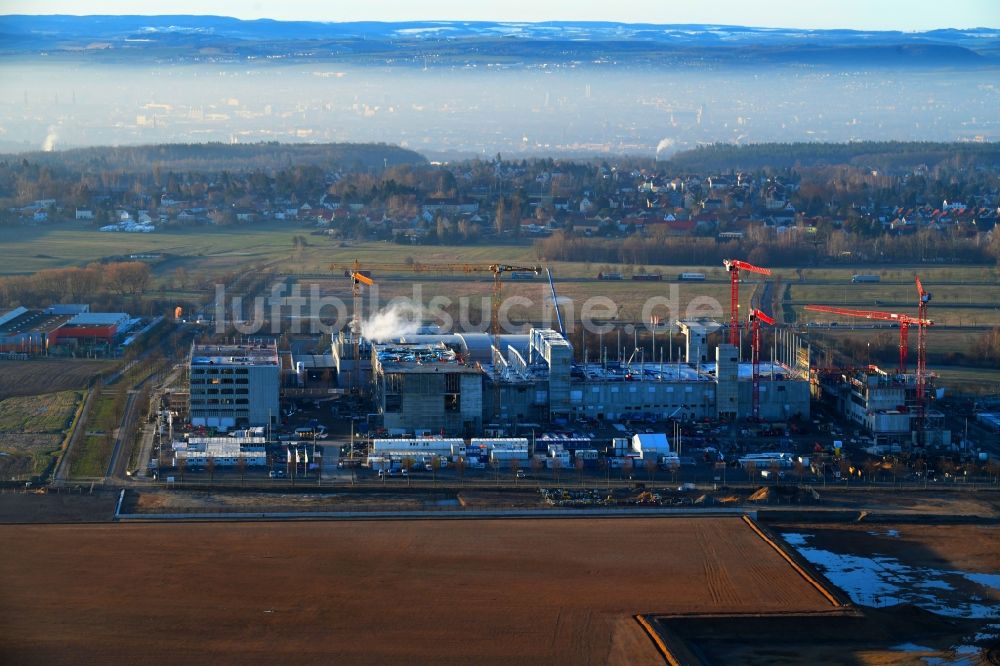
[(420, 358), (221, 446), (699, 325), (552, 337), (312, 361), (234, 355), (766, 368), (662, 372)]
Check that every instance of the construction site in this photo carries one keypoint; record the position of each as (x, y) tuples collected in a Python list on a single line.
[(747, 368), (537, 377), (892, 405), (609, 564)]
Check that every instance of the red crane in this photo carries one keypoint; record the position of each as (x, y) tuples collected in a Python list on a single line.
[(755, 318), (925, 299), (734, 266), (904, 321)]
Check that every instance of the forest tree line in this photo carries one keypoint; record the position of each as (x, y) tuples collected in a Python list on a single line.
[(885, 155), (765, 247), (95, 282)]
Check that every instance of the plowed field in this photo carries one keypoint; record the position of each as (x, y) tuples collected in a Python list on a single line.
[(442, 591)]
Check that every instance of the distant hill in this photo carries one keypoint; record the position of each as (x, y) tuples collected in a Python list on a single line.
[(447, 43), (878, 154), (215, 157)]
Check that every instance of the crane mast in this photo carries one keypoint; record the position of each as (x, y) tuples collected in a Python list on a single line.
[(755, 318), (905, 321), (734, 266), (924, 301), (359, 277)]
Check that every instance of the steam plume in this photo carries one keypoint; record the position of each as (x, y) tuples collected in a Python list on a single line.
[(664, 148), (393, 321), (50, 140)]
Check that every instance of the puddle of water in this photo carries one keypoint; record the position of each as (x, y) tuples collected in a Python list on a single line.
[(950, 661), (985, 579), (990, 632), (794, 538), (911, 647), (879, 580)]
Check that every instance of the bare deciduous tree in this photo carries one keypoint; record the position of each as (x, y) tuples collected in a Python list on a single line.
[(435, 467), (408, 464), (210, 466), (242, 465), (650, 465)]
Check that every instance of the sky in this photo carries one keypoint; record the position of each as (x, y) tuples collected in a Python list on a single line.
[(907, 15)]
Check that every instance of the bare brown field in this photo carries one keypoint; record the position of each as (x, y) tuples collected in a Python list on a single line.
[(899, 633), (48, 375), (973, 548), (73, 504), (446, 592), (983, 503), (216, 501), (866, 637)]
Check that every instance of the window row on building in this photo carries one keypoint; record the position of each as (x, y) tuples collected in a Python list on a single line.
[(224, 391), (219, 371), (201, 381), (197, 402)]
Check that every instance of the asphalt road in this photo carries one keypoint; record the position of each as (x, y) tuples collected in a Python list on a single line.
[(668, 277), (79, 429), (125, 438)]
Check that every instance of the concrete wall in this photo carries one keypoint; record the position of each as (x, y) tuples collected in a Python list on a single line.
[(425, 404), (615, 400), (727, 370), (779, 399)]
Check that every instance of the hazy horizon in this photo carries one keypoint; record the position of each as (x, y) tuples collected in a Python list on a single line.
[(460, 90), (843, 14), (480, 111)]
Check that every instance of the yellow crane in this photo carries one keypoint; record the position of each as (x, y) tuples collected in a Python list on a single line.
[(361, 275)]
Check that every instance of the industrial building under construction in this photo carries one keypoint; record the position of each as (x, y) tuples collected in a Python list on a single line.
[(443, 384)]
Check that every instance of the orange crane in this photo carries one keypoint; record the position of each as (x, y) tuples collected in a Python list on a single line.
[(734, 266), (904, 321), (359, 276), (755, 318)]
